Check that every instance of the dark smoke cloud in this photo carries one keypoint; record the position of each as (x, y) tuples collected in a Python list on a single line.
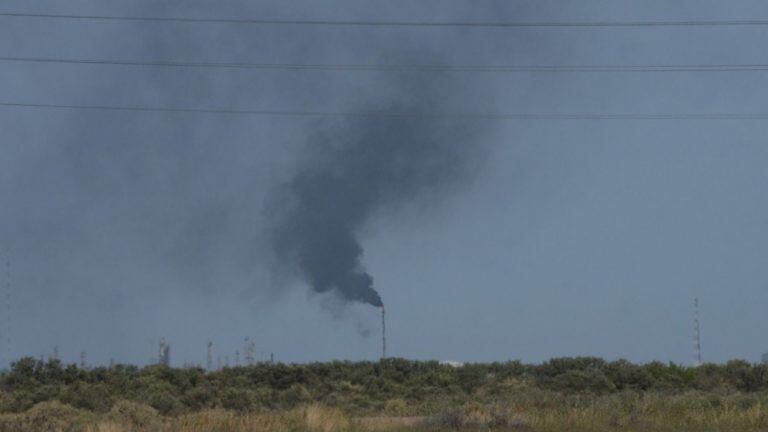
[(353, 172)]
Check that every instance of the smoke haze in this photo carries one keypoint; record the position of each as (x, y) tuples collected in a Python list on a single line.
[(354, 171), (126, 227)]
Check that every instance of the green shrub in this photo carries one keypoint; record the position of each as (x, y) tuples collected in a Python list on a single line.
[(165, 403), (582, 381), (54, 416), (294, 396), (199, 398), (237, 399), (396, 407), (134, 415), (91, 397)]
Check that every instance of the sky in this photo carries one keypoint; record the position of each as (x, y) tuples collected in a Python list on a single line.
[(568, 238)]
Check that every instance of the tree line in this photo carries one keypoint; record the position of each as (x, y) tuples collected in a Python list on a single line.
[(394, 385)]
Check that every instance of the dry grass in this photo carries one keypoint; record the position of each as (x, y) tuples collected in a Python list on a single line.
[(626, 413), (374, 424), (108, 427), (223, 421), (319, 419), (313, 418)]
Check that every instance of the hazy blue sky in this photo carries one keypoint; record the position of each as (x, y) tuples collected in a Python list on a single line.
[(574, 238)]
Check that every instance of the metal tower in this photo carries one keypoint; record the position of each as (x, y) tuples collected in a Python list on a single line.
[(696, 333), (164, 353), (250, 352)]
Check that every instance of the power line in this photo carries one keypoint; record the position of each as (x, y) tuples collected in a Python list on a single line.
[(385, 114), (403, 67), (356, 23)]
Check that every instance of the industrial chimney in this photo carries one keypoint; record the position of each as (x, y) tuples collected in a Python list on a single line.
[(383, 333)]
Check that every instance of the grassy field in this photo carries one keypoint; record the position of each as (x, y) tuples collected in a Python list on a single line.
[(618, 412), (567, 394)]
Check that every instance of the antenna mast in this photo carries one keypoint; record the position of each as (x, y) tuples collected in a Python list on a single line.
[(696, 333)]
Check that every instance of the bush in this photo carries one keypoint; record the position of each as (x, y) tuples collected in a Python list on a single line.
[(134, 415), (297, 394), (199, 398), (165, 403), (239, 400), (91, 397), (54, 416), (396, 407), (583, 381)]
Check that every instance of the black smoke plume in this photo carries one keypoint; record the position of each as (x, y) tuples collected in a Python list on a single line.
[(349, 174)]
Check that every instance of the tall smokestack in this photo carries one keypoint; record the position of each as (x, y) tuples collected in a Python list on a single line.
[(696, 334), (209, 357), (383, 333), (5, 322)]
